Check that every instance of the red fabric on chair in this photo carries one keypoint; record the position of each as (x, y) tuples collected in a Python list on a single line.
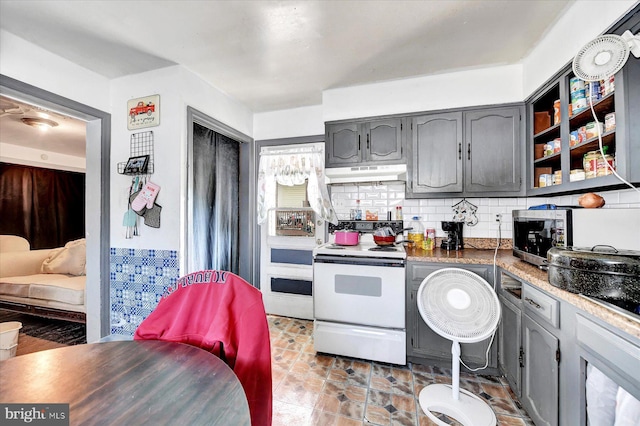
[(207, 308)]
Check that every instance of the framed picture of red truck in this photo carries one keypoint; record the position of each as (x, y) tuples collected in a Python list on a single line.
[(143, 112)]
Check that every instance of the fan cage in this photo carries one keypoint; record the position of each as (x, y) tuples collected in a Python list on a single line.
[(469, 324), (584, 63)]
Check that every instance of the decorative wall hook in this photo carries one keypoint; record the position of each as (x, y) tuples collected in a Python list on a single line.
[(464, 211)]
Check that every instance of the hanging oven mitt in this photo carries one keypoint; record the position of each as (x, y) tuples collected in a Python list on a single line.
[(146, 197), (152, 216)]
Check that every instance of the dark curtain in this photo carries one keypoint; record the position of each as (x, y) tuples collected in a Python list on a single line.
[(42, 205), (215, 201)]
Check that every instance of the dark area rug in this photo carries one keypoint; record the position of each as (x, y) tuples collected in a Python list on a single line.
[(64, 332)]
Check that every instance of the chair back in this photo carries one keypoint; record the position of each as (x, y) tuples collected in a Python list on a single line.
[(221, 313)]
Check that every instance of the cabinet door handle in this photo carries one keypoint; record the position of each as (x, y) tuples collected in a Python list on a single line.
[(367, 141), (358, 142), (469, 152), (533, 303), (459, 151)]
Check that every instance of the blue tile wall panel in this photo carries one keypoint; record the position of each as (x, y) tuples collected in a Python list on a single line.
[(138, 277)]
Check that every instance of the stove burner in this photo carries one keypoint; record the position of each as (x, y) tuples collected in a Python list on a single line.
[(383, 248)]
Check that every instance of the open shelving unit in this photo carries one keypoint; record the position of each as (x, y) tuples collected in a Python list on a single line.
[(621, 141)]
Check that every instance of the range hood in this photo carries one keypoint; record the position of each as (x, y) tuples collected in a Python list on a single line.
[(391, 173)]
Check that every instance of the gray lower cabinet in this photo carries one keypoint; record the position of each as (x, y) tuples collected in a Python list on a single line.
[(424, 346), (541, 355), (510, 343), (364, 142), (529, 347), (475, 151), (540, 373)]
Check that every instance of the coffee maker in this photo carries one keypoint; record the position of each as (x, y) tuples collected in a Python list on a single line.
[(453, 240)]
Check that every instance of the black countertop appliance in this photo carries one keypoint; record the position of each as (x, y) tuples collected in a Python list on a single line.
[(453, 240)]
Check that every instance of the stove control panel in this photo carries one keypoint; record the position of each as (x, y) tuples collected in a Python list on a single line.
[(366, 226)]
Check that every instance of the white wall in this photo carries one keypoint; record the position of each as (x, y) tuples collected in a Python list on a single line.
[(16, 154), (304, 121), (31, 64), (484, 86), (583, 21), (178, 88)]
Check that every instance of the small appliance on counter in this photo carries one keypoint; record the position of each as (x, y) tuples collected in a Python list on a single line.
[(453, 240), (601, 272), (536, 231)]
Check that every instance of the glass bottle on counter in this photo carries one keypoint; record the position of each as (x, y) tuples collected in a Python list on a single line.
[(358, 215), (416, 233), (398, 212)]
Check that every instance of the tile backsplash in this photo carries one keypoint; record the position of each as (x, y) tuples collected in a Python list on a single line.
[(382, 198), (138, 278)]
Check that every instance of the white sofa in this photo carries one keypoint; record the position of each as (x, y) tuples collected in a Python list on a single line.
[(48, 282)]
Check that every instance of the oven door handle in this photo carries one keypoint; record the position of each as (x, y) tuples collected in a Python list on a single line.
[(362, 261)]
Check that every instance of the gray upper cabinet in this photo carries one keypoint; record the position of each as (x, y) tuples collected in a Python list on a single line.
[(436, 141), (384, 140), (475, 151), (492, 143), (343, 144), (364, 142)]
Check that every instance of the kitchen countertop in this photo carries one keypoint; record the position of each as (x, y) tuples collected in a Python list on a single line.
[(528, 273)]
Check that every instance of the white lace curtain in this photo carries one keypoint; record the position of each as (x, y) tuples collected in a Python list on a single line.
[(291, 167)]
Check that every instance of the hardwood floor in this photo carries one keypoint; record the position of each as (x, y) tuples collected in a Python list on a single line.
[(39, 334)]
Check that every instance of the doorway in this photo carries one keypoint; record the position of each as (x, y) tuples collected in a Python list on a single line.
[(217, 233), (97, 218), (287, 239)]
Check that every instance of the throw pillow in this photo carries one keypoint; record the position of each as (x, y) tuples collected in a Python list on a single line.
[(70, 259)]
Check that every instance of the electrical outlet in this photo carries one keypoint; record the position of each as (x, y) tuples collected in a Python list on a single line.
[(499, 217)]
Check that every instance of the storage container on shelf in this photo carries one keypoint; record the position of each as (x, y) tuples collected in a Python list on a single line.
[(590, 164), (416, 233)]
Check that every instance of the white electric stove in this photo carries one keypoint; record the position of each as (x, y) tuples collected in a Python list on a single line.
[(359, 297)]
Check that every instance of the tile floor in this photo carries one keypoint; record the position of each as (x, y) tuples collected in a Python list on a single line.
[(320, 389)]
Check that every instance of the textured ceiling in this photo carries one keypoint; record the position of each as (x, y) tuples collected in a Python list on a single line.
[(273, 55), (67, 137)]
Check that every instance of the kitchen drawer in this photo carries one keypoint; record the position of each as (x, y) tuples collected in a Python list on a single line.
[(541, 304)]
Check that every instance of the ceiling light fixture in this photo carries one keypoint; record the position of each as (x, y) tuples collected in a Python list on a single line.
[(40, 123)]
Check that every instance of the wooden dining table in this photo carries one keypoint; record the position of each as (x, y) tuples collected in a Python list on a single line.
[(129, 383)]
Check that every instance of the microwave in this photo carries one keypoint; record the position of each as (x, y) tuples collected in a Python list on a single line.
[(536, 231)]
